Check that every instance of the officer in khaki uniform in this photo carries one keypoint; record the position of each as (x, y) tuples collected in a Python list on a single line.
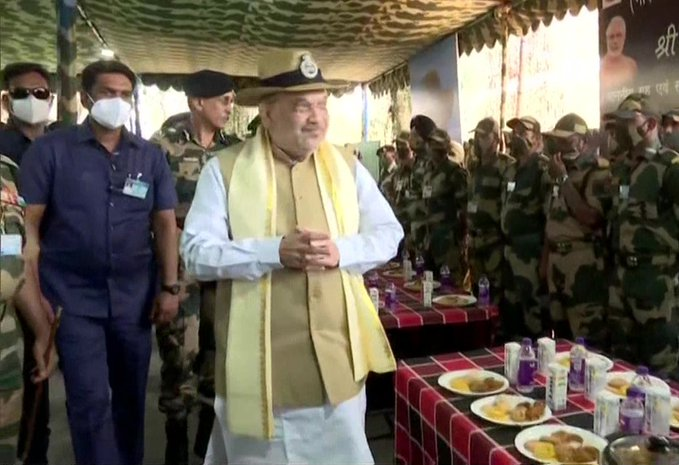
[(525, 188), (486, 171), (189, 141), (17, 291), (645, 241), (574, 245)]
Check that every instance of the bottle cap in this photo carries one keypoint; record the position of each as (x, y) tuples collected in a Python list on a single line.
[(580, 341), (642, 370), (634, 391), (527, 341)]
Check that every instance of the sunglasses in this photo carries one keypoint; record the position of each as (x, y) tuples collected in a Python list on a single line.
[(21, 93)]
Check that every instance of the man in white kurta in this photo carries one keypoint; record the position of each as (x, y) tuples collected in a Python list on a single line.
[(289, 225)]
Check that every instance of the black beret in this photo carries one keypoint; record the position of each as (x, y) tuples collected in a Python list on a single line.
[(423, 125), (207, 84)]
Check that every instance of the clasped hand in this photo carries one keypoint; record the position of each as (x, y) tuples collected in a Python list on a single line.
[(308, 250)]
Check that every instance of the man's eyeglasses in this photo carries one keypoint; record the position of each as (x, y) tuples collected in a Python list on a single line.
[(40, 93)]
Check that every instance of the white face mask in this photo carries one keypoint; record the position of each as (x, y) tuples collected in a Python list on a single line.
[(112, 113), (31, 110)]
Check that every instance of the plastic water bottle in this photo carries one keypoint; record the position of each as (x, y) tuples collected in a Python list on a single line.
[(632, 412), (484, 292), (528, 364), (446, 283), (642, 381), (390, 298), (419, 265), (576, 375)]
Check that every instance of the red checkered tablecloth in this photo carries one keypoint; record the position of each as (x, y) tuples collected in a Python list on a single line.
[(410, 312), (436, 427)]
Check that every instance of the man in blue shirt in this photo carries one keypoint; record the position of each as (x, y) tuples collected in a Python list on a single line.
[(100, 200), (28, 99)]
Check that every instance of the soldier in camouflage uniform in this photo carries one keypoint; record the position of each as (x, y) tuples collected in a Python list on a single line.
[(645, 241), (447, 209), (399, 182), (487, 170), (670, 129), (421, 129), (16, 293), (525, 189), (189, 141), (575, 234)]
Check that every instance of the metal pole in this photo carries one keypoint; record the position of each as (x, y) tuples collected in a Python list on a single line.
[(67, 109), (505, 74), (366, 113)]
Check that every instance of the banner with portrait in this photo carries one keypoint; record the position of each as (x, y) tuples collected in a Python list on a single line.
[(434, 85), (639, 45)]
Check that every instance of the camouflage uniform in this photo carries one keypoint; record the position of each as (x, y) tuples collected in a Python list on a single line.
[(416, 208), (645, 234), (402, 194), (445, 199), (11, 278), (576, 253), (524, 191), (178, 342), (485, 201)]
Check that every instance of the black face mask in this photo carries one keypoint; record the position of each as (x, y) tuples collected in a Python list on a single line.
[(551, 147), (519, 146), (623, 139)]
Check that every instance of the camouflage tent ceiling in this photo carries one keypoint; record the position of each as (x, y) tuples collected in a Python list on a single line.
[(357, 40)]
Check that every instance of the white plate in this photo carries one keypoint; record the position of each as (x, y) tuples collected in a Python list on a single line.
[(561, 356), (393, 273), (674, 423), (512, 401), (446, 378), (417, 285), (464, 300), (536, 432), (628, 376)]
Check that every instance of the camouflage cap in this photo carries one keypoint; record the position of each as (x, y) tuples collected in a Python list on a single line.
[(527, 122), (207, 84), (487, 126), (569, 125), (633, 104), (672, 115), (439, 140), (403, 137)]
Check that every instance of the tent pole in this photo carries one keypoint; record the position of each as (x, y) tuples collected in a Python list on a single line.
[(366, 113), (503, 13), (67, 109)]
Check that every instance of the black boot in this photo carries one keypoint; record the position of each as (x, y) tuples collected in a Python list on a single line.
[(177, 448), (206, 419)]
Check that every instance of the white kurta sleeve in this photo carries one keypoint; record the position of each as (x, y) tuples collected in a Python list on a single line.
[(379, 231), (206, 247)]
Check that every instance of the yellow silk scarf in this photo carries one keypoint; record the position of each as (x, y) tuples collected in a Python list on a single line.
[(248, 352)]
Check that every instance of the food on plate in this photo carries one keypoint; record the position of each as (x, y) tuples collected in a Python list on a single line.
[(618, 386), (564, 447), (675, 413), (476, 384), (453, 300), (502, 410)]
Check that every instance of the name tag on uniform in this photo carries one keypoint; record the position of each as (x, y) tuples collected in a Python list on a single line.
[(10, 245), (136, 188), (624, 192), (472, 207), (426, 192), (555, 191), (511, 186)]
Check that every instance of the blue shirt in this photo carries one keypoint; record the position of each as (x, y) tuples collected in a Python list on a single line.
[(96, 249), (13, 143)]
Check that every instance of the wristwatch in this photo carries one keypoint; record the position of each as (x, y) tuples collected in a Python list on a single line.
[(172, 288)]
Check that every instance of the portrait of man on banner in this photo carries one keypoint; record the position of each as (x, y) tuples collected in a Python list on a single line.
[(617, 69)]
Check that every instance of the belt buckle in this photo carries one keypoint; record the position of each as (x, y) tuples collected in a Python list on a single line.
[(632, 261)]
